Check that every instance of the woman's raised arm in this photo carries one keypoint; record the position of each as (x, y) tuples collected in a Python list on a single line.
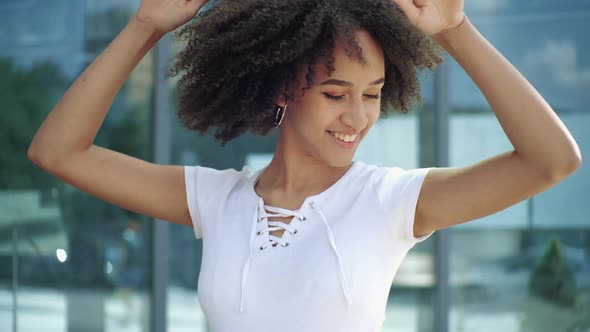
[(64, 147)]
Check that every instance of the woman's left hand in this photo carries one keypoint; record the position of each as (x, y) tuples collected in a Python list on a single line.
[(433, 16)]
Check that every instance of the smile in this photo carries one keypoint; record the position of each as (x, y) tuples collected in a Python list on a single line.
[(344, 138)]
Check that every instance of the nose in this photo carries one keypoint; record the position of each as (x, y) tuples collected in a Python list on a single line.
[(356, 115)]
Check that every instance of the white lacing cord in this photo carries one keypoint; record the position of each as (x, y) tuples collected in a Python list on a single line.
[(276, 240), (278, 212), (332, 241), (260, 215)]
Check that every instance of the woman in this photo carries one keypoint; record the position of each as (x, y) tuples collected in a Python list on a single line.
[(313, 241)]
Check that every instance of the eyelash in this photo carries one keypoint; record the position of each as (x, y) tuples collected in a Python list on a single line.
[(329, 96)]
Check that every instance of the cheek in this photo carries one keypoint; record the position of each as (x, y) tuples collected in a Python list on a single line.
[(314, 113), (373, 117), (306, 120)]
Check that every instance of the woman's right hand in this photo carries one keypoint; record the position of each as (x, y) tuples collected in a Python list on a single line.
[(167, 15)]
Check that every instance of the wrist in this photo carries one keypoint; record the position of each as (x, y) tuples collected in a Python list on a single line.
[(146, 27), (446, 31), (447, 35)]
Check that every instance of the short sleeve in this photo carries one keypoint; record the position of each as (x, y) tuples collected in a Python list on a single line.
[(190, 179), (411, 193), (402, 188), (207, 189)]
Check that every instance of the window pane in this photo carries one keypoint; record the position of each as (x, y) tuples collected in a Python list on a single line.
[(526, 268), (80, 264)]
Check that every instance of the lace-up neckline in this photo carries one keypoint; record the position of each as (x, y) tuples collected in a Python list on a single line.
[(265, 228), (261, 226)]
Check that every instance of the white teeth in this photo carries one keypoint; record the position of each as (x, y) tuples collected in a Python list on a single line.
[(345, 138)]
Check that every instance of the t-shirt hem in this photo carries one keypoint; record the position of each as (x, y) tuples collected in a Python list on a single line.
[(190, 178), (414, 189)]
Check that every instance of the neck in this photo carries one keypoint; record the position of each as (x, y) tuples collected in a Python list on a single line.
[(294, 171)]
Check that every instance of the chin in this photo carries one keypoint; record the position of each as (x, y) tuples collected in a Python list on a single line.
[(338, 161), (333, 156)]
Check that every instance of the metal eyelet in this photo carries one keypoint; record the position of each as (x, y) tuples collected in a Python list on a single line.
[(303, 219), (258, 233), (286, 244), (295, 232), (261, 248), (260, 219)]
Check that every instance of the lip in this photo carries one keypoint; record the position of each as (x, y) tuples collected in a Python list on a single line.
[(342, 143)]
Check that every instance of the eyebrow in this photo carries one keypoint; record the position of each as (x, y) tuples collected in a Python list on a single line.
[(346, 83)]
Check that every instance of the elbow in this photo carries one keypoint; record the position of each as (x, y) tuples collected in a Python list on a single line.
[(47, 157), (575, 162), (38, 159), (34, 157), (573, 166), (569, 166)]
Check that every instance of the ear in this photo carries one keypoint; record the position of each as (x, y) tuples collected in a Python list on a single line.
[(281, 99), (281, 102)]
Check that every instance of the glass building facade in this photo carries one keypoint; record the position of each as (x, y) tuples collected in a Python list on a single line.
[(70, 262)]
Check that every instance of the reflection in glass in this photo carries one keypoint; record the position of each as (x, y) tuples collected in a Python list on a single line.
[(73, 262), (526, 268)]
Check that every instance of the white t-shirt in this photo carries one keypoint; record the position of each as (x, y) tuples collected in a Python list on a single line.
[(332, 269)]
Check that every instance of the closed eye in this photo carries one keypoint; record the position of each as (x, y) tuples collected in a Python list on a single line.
[(329, 96)]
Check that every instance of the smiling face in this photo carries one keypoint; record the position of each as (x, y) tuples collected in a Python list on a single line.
[(327, 122)]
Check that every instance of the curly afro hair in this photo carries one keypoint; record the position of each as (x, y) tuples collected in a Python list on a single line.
[(242, 54)]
